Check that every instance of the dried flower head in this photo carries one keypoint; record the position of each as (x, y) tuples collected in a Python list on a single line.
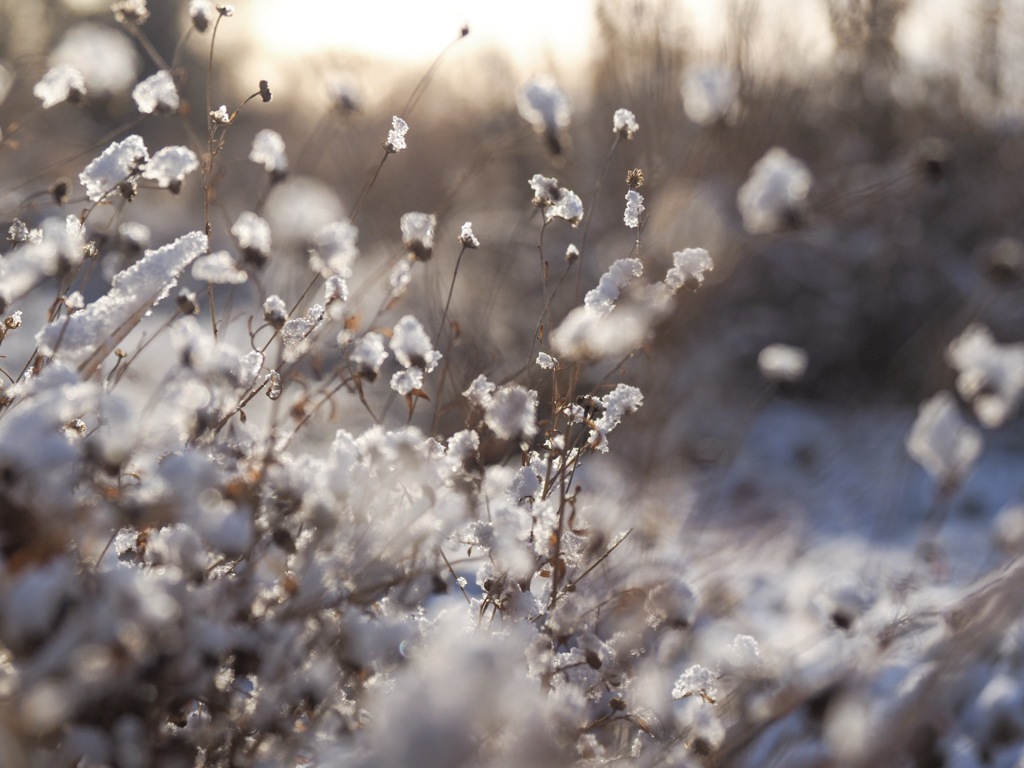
[(265, 91)]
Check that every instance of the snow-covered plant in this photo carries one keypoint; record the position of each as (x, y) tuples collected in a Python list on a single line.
[(775, 194), (710, 94), (223, 545), (989, 375)]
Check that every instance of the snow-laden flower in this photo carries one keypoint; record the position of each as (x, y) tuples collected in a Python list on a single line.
[(335, 289), (218, 267), (169, 167), (634, 207), (689, 268), (368, 354), (399, 278), (268, 151), (104, 56), (546, 361), (202, 14), (710, 95), (543, 104), (395, 141), (89, 335), (220, 115), (467, 238), (297, 332), (118, 163), (989, 375), (942, 442), (275, 311), (480, 391), (774, 195), (696, 680), (334, 249), (411, 345), (624, 123), (557, 202), (249, 366), (253, 235), (418, 233), (511, 412), (130, 11), (60, 84), (157, 93), (782, 362), (407, 380), (620, 274), (622, 400)]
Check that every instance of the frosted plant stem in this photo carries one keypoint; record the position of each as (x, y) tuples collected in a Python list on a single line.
[(542, 321), (590, 214)]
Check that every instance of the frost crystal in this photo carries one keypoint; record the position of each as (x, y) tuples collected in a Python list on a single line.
[(296, 333), (60, 84), (710, 95), (253, 235), (634, 207), (781, 362), (511, 412), (88, 336), (169, 167), (989, 375), (775, 194), (395, 141), (543, 104), (219, 268), (688, 269), (118, 162), (105, 57), (369, 354), (696, 681), (942, 442), (412, 346), (418, 233), (620, 274), (157, 93), (467, 238), (268, 151), (624, 123), (406, 380)]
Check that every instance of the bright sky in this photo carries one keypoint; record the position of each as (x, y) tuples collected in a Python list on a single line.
[(418, 29)]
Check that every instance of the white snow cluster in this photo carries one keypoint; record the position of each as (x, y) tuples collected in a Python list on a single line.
[(157, 93), (775, 193), (268, 150)]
